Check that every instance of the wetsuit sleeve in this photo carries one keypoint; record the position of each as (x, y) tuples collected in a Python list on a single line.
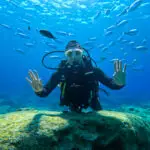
[(50, 85), (101, 77)]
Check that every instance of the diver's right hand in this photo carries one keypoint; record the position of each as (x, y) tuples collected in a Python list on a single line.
[(35, 81)]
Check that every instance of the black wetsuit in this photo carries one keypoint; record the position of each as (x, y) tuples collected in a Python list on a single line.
[(80, 82)]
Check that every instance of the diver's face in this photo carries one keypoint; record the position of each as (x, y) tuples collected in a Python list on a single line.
[(74, 55)]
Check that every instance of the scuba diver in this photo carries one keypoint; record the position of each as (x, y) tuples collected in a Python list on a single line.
[(78, 80)]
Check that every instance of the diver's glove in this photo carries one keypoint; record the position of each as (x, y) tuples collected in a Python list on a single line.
[(35, 81), (119, 76)]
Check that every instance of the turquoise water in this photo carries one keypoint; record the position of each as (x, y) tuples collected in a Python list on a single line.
[(22, 46)]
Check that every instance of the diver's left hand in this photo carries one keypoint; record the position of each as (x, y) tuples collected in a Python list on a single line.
[(119, 75)]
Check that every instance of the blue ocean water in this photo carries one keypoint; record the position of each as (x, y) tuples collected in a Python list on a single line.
[(87, 21)]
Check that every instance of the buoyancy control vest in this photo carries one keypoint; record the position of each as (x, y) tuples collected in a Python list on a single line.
[(78, 85)]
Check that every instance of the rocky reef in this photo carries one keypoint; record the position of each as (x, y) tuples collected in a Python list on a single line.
[(48, 130)]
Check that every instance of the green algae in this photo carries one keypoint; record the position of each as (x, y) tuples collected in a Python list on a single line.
[(33, 129)]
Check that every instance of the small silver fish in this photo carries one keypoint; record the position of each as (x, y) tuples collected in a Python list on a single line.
[(63, 33), (59, 41), (108, 33), (111, 27), (124, 41), (134, 61), (119, 39), (51, 45), (20, 51), (88, 43), (26, 21), (134, 5), (101, 46), (131, 43), (144, 41), (19, 30), (29, 44), (121, 23), (96, 16), (141, 48), (145, 4), (131, 32), (92, 38), (71, 34), (111, 43), (22, 35), (104, 49), (10, 12), (13, 3), (123, 12), (5, 26)]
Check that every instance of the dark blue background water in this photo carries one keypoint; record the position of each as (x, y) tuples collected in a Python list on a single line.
[(73, 17)]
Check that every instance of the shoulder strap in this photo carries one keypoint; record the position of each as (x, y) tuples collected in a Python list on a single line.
[(88, 62)]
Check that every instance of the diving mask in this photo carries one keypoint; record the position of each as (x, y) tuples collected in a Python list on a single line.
[(73, 53)]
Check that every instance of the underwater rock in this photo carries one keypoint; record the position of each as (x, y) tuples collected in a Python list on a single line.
[(137, 110), (49, 130), (24, 109)]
